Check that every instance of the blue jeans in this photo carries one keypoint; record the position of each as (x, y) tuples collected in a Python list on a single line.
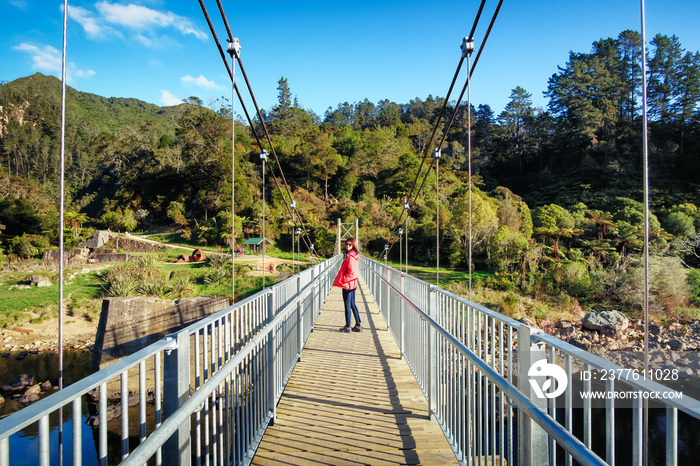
[(350, 306)]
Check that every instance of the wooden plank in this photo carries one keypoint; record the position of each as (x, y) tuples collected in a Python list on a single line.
[(352, 400)]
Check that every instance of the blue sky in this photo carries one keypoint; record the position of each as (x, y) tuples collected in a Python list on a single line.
[(162, 51)]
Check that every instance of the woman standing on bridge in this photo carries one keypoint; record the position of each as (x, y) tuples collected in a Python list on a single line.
[(347, 280)]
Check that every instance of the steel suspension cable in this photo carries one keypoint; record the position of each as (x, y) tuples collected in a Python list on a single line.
[(464, 88), (471, 72), (307, 239), (469, 167), (252, 96), (263, 159), (60, 226), (444, 106), (234, 49), (454, 113), (230, 73), (645, 158)]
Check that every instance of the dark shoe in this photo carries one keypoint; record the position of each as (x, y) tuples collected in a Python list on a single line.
[(345, 329), (357, 328)]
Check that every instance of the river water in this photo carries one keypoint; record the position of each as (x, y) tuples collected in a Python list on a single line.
[(44, 366)]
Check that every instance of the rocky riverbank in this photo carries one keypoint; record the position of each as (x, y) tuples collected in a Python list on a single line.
[(613, 331), (674, 349)]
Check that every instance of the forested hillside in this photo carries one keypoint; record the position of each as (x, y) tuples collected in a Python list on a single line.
[(557, 191)]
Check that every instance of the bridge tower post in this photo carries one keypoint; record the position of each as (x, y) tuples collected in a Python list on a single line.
[(357, 234), (533, 445), (433, 311), (176, 376), (345, 231), (338, 248)]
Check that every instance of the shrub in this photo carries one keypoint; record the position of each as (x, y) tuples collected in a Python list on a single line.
[(143, 277), (694, 283), (216, 275), (120, 281), (575, 278), (22, 247), (668, 284), (181, 285)]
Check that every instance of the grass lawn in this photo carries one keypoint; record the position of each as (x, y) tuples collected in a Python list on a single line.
[(17, 305), (429, 273)]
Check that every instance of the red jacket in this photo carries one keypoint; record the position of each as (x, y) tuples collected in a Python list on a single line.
[(347, 275)]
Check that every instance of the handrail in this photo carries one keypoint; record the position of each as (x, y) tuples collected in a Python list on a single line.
[(484, 424), (32, 413), (146, 450), (212, 344), (626, 376), (570, 443)]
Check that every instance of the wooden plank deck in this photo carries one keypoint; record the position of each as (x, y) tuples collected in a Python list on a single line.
[(352, 400)]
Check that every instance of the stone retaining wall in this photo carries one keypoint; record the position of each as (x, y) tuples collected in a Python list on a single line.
[(130, 324)]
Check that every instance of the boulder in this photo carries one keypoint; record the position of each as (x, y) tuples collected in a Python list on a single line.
[(30, 395), (99, 238), (676, 345), (38, 280), (605, 321), (528, 321), (18, 383)]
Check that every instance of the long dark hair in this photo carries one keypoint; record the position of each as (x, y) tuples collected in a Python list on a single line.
[(353, 243)]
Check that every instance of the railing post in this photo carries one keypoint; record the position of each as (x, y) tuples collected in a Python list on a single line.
[(402, 316), (271, 357), (5, 452), (314, 287), (176, 380), (300, 321), (432, 353), (532, 444)]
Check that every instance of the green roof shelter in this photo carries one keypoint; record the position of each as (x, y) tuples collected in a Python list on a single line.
[(256, 242)]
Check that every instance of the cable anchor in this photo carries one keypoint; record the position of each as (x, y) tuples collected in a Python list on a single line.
[(467, 47), (234, 47)]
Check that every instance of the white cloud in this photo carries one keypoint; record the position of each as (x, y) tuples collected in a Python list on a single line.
[(140, 23), (201, 81), (168, 98), (81, 73), (22, 4), (145, 20), (48, 60), (45, 58), (90, 23)]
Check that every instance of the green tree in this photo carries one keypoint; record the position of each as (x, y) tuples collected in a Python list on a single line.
[(601, 221), (483, 219), (324, 160), (553, 221), (75, 220), (663, 75), (516, 120), (176, 213)]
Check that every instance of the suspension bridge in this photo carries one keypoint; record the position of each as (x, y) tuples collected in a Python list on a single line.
[(432, 378)]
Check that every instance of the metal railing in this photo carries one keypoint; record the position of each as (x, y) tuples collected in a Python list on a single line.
[(474, 364), (204, 394)]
